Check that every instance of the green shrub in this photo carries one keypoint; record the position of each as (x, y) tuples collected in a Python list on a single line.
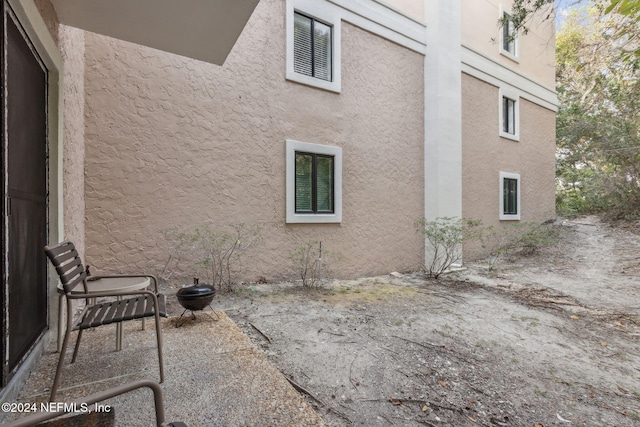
[(444, 237), (522, 239), (309, 261), (207, 252)]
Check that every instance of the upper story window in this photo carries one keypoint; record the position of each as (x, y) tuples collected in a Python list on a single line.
[(313, 44), (312, 47), (508, 34), (508, 37), (313, 183)]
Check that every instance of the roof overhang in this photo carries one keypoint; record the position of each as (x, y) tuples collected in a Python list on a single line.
[(200, 29)]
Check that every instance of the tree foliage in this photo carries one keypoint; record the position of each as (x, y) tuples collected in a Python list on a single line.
[(598, 123), (523, 11)]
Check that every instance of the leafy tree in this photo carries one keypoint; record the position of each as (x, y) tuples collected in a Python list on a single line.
[(598, 123), (523, 10)]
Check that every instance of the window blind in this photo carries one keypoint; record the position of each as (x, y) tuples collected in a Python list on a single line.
[(314, 183), (324, 192), (304, 182), (312, 47)]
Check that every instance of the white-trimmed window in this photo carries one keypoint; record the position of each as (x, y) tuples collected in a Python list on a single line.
[(509, 196), (313, 44), (509, 115), (312, 47), (314, 183), (509, 45)]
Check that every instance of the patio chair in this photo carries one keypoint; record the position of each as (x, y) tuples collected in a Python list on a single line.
[(40, 417), (144, 303)]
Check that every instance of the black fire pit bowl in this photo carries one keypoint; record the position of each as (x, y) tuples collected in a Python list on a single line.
[(195, 297)]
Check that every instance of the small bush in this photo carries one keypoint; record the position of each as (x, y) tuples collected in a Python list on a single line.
[(209, 253), (444, 238), (309, 261), (522, 239)]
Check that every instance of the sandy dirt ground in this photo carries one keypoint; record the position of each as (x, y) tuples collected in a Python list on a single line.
[(551, 339)]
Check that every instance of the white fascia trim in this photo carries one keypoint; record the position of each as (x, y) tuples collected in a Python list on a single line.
[(511, 94), (374, 16), (506, 53), (291, 216), (370, 15), (385, 21), (504, 217), (483, 68)]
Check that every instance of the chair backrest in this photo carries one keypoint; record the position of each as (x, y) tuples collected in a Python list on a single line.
[(68, 264)]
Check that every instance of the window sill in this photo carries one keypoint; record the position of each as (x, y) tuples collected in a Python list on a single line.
[(511, 136), (509, 55), (333, 86), (313, 218), (515, 217)]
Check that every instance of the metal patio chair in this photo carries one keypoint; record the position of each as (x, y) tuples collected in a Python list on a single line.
[(143, 303)]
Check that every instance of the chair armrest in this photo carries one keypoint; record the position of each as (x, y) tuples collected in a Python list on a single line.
[(83, 295), (34, 419), (116, 276)]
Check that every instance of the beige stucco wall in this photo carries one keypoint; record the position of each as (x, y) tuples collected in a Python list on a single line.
[(413, 8), (480, 31), (485, 155), (177, 142), (70, 42)]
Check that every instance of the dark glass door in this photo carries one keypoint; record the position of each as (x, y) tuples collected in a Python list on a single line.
[(24, 176)]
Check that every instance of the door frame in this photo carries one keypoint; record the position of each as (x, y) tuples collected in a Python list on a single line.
[(29, 18), (28, 201)]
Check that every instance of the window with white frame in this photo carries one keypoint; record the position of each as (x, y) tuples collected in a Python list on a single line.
[(312, 47), (313, 44), (509, 196), (314, 183), (509, 36), (509, 114)]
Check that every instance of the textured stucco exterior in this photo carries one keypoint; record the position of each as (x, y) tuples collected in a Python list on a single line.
[(485, 154), (71, 42), (70, 171), (480, 32), (176, 142)]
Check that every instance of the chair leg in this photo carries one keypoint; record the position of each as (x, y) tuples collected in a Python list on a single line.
[(56, 379), (60, 321), (159, 338), (77, 346)]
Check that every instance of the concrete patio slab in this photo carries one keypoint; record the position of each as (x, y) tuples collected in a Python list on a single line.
[(214, 376)]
